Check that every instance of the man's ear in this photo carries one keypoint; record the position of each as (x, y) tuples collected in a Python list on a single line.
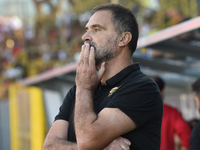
[(125, 38)]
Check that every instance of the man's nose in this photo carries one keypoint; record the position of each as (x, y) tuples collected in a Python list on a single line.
[(86, 37)]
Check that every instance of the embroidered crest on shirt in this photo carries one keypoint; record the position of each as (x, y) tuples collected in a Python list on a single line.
[(113, 90)]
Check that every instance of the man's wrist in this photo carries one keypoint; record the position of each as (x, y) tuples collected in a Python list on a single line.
[(83, 90)]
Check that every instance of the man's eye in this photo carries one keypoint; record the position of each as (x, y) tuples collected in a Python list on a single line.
[(96, 29)]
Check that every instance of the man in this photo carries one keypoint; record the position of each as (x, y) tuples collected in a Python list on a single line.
[(195, 136), (116, 106), (172, 124)]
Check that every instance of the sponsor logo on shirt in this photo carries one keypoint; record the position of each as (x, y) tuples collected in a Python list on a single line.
[(113, 90)]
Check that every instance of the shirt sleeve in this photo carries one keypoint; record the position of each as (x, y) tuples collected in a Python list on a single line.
[(183, 129), (65, 108), (141, 103)]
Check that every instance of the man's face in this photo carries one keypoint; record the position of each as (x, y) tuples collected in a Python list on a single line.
[(197, 99), (101, 34)]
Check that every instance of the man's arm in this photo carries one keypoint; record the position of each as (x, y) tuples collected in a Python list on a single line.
[(183, 131), (56, 138), (95, 131), (98, 130), (177, 143)]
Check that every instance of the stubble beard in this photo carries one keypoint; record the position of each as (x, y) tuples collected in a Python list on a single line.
[(104, 53)]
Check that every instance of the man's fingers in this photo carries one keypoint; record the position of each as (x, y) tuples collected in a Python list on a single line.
[(86, 54), (102, 70), (125, 147), (91, 57), (127, 142), (81, 57)]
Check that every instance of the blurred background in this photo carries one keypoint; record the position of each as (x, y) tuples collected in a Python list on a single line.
[(40, 42)]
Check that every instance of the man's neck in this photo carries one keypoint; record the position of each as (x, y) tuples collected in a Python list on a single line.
[(113, 67)]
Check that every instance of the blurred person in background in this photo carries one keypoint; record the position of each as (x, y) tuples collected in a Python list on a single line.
[(117, 107), (195, 136), (173, 124)]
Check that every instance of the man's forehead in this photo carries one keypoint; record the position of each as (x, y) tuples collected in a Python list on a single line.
[(102, 13), (100, 17)]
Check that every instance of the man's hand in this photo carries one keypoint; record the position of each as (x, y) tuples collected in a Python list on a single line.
[(86, 76), (119, 143)]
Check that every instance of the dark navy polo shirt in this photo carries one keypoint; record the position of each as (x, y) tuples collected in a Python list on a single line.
[(195, 137), (134, 93)]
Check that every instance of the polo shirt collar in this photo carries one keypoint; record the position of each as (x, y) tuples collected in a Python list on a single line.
[(119, 76)]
